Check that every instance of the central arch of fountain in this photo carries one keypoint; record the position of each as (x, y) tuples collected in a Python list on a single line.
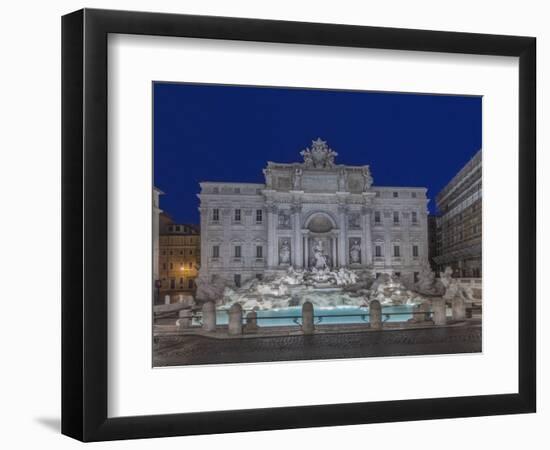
[(321, 241)]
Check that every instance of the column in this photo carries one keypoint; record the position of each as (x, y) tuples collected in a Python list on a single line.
[(406, 251), (342, 257), (226, 253), (205, 254), (271, 226), (337, 251), (306, 250), (297, 248), (333, 242), (388, 243), (367, 259)]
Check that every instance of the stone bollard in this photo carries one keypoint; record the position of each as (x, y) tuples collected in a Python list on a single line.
[(459, 309), (209, 316), (417, 315), (235, 326), (251, 325), (439, 311), (185, 320), (375, 315), (307, 318), (421, 313), (167, 299)]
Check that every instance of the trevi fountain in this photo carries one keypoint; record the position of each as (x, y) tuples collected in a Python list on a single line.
[(338, 295)]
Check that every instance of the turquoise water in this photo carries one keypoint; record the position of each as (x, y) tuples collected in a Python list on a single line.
[(323, 315)]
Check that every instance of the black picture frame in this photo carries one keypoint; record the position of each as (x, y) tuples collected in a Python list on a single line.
[(84, 224)]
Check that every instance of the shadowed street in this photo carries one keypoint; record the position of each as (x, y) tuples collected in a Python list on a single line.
[(191, 350)]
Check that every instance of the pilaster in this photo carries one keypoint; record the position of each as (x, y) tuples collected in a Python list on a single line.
[(343, 236), (271, 235), (297, 259), (367, 235)]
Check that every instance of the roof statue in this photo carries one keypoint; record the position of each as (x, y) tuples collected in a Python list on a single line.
[(319, 156)]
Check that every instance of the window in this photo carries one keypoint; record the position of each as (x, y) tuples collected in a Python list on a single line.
[(414, 217), (190, 252), (216, 190), (237, 215), (181, 252), (259, 216), (190, 284), (415, 251), (178, 228), (378, 251), (396, 217), (259, 276), (377, 194), (173, 283), (171, 266), (181, 281), (259, 251), (416, 274), (395, 194), (237, 279), (378, 275), (237, 251), (398, 274), (237, 190), (216, 251), (396, 251), (190, 265), (164, 266), (413, 194), (376, 216), (215, 215)]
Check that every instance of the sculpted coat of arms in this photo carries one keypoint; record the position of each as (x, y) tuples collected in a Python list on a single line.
[(320, 155)]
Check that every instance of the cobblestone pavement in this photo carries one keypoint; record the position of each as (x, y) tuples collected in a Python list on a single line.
[(186, 350)]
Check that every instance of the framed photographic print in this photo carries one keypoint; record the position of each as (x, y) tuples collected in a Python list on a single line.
[(273, 224)]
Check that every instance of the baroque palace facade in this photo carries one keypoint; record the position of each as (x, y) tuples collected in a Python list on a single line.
[(179, 257), (307, 209)]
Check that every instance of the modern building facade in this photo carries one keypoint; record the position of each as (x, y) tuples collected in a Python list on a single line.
[(433, 241), (179, 257), (459, 224), (311, 214)]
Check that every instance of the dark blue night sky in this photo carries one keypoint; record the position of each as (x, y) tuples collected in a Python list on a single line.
[(228, 133)]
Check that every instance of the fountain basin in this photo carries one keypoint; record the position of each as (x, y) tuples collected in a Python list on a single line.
[(333, 315)]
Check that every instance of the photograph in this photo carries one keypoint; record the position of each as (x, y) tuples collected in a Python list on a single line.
[(314, 224), (275, 225)]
